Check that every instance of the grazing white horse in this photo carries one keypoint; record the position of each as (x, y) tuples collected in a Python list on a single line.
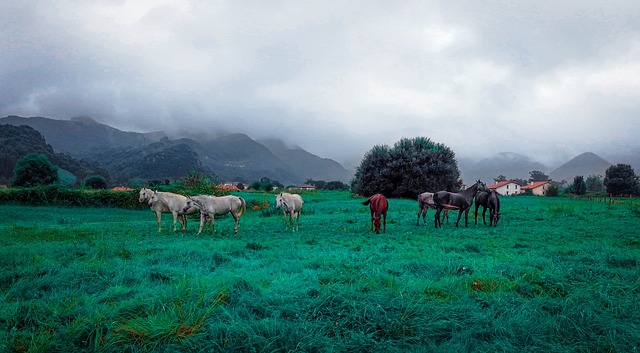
[(292, 205), (167, 202), (211, 206)]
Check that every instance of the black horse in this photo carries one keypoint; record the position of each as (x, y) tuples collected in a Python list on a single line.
[(460, 201), (494, 208), (489, 199)]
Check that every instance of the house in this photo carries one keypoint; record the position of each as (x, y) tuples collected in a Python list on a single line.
[(506, 188), (537, 187)]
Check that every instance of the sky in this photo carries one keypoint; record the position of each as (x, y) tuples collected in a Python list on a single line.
[(546, 79)]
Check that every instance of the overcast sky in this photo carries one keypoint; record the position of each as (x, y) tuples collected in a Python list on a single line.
[(547, 79)]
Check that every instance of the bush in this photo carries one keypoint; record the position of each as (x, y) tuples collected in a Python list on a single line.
[(95, 182), (34, 170)]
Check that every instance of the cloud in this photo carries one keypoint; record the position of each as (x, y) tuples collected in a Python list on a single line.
[(538, 78)]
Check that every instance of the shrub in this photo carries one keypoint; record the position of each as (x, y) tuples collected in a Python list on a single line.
[(95, 182)]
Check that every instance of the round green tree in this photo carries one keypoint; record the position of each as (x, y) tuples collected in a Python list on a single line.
[(621, 179), (95, 182), (34, 170), (410, 167)]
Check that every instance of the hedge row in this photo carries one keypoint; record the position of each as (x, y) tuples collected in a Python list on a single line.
[(62, 196)]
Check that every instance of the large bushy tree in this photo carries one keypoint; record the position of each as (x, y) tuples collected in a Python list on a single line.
[(536, 175), (410, 167), (34, 170), (621, 179)]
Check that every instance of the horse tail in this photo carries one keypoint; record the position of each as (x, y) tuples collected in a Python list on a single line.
[(244, 206)]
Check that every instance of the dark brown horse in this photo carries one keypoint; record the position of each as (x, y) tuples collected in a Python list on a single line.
[(494, 208), (379, 206), (489, 199), (460, 201)]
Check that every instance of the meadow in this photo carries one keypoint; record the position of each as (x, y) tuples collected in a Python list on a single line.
[(555, 275)]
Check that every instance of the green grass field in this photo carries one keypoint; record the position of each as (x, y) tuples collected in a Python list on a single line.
[(556, 275)]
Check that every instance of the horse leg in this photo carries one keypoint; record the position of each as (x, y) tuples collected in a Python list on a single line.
[(466, 217), (476, 213), (459, 216), (446, 215), (384, 222), (183, 221), (437, 217), (159, 219), (484, 211), (203, 220), (237, 219), (175, 220)]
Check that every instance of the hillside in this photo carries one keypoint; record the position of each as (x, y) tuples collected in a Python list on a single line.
[(82, 136), (18, 141), (584, 164), (306, 164), (234, 157)]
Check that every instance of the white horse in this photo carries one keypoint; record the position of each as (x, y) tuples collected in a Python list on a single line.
[(167, 202), (211, 206), (292, 205)]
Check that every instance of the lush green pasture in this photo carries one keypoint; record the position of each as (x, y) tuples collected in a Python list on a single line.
[(556, 275)]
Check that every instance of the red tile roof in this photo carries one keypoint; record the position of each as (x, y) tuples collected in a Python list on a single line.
[(535, 185), (501, 184)]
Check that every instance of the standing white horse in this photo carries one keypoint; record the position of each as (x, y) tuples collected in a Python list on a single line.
[(292, 205), (167, 202), (211, 206)]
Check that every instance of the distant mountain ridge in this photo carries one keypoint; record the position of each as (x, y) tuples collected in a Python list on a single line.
[(585, 164), (128, 154), (511, 165)]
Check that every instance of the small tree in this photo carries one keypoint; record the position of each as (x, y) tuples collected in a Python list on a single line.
[(95, 182), (34, 170), (579, 185), (500, 178), (553, 190), (594, 183), (621, 179), (536, 175)]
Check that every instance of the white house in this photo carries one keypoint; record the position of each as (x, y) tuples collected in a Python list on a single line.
[(506, 188)]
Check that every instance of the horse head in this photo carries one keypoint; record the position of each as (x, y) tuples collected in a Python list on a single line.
[(279, 201), (154, 198), (145, 194), (191, 202)]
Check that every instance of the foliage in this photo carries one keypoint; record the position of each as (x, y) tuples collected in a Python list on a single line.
[(553, 190), (579, 185), (197, 182), (323, 185), (410, 167), (536, 175), (18, 141), (104, 280), (621, 179), (34, 170), (500, 178), (265, 184), (594, 183), (95, 182), (54, 195)]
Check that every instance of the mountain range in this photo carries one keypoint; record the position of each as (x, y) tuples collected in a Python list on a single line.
[(238, 157), (517, 166), (127, 155)]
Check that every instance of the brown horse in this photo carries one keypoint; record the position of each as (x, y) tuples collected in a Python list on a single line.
[(379, 206), (460, 201)]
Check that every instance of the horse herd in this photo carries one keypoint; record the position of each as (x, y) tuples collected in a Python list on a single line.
[(210, 206)]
